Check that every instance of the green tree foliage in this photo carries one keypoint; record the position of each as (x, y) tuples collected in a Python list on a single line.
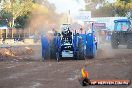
[(126, 1), (123, 7), (102, 8), (92, 5), (4, 18), (119, 8), (21, 21), (19, 13), (105, 11), (17, 8)]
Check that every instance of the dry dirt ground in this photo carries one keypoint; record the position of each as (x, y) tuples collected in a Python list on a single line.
[(26, 70)]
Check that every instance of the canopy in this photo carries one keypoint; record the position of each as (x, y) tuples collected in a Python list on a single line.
[(3, 27)]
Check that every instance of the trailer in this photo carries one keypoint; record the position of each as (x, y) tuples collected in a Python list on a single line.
[(70, 44)]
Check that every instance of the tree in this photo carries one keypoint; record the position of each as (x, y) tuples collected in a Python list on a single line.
[(17, 8), (21, 21), (123, 8), (97, 7), (4, 18), (92, 5), (44, 16), (119, 8), (105, 11)]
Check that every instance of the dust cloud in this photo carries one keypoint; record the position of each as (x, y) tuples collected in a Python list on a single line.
[(105, 51), (43, 18)]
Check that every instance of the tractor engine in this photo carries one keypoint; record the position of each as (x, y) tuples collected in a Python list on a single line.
[(66, 36), (66, 42)]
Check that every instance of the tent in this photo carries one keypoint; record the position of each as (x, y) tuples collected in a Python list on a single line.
[(3, 27)]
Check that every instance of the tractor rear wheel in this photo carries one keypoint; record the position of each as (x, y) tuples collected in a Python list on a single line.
[(129, 43), (81, 51), (52, 50)]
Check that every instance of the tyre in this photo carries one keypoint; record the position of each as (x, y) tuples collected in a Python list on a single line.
[(114, 41), (129, 43), (81, 51), (57, 57), (53, 50), (76, 55), (92, 53)]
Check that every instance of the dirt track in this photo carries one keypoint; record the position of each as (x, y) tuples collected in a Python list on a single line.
[(33, 73)]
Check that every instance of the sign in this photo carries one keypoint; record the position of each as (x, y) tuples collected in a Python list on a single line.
[(83, 16), (99, 26), (109, 21)]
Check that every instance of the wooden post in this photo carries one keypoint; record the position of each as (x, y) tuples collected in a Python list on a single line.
[(12, 33), (0, 34), (6, 32)]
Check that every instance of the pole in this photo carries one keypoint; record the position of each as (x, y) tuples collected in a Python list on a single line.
[(11, 30), (29, 31), (68, 19)]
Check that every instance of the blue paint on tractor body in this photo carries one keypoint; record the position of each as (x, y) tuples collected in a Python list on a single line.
[(44, 45), (88, 43), (75, 42)]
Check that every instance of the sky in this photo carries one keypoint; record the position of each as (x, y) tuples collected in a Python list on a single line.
[(63, 6), (111, 1), (72, 5), (66, 5)]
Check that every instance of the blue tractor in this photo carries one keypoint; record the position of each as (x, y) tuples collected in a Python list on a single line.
[(70, 44), (122, 34)]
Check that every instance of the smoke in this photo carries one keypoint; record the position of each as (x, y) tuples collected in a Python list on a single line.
[(43, 18)]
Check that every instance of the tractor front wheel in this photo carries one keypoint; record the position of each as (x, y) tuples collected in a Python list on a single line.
[(52, 50), (129, 44), (114, 41)]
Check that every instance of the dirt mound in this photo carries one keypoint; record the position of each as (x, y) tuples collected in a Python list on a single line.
[(15, 51)]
